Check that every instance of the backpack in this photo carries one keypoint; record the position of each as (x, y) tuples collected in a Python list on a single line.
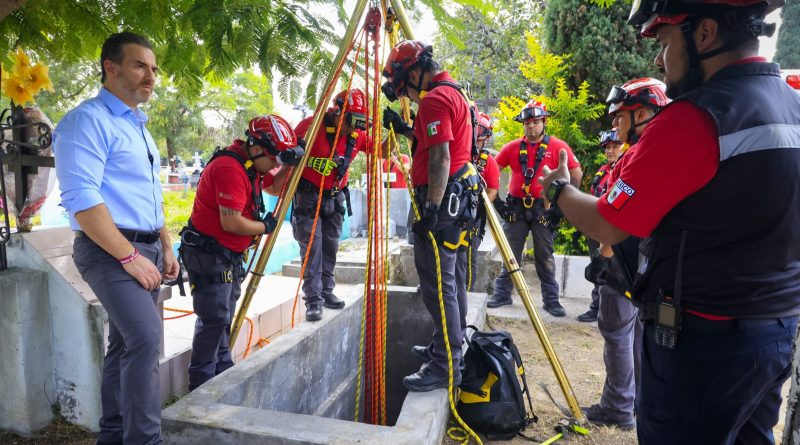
[(493, 381)]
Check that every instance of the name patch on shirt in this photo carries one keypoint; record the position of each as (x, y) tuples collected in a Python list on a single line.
[(619, 194), (432, 128)]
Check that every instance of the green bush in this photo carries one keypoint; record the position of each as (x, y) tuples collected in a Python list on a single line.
[(177, 209)]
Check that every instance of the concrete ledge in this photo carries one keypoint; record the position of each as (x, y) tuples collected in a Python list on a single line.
[(249, 403)]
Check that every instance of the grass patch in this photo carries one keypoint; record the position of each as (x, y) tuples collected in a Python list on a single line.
[(177, 209)]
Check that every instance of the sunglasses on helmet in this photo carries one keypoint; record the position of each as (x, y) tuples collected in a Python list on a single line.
[(609, 136), (530, 113)]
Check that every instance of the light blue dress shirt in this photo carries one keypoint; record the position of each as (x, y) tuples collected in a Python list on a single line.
[(105, 155)]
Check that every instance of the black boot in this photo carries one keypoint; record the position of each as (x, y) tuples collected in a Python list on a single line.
[(496, 301), (555, 309), (422, 353), (314, 312), (588, 316), (426, 380), (332, 302)]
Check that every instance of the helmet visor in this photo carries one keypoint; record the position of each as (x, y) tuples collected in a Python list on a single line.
[(609, 136), (530, 113)]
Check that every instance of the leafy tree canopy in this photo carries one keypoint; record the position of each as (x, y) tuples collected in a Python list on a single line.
[(787, 52)]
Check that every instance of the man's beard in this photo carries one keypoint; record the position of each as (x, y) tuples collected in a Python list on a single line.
[(692, 80)]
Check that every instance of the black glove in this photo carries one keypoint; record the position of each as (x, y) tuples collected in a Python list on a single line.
[(504, 210), (341, 168), (392, 119), (551, 217), (291, 156), (270, 223), (430, 216)]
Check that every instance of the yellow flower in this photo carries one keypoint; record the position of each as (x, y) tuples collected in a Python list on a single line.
[(39, 79), (22, 64), (14, 89)]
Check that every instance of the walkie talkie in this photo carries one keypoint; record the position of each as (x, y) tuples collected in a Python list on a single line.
[(668, 309), (668, 320)]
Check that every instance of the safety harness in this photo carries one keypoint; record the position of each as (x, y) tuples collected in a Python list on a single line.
[(529, 173), (325, 166), (190, 236)]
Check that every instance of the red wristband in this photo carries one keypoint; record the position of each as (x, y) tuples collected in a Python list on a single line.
[(129, 258)]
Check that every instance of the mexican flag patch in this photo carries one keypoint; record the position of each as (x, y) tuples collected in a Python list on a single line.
[(619, 194), (432, 128)]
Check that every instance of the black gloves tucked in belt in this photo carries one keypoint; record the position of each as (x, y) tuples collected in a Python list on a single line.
[(428, 220), (392, 119), (504, 210), (270, 223), (551, 217)]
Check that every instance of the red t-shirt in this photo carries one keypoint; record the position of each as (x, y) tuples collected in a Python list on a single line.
[(676, 156), (389, 167), (224, 183), (322, 149), (443, 116), (491, 173), (509, 156)]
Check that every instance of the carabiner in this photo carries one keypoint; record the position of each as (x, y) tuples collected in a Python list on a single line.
[(451, 209), (527, 201)]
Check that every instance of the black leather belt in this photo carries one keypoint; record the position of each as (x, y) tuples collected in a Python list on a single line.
[(699, 324), (133, 236)]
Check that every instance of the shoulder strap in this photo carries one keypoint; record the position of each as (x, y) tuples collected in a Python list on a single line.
[(255, 184), (473, 118)]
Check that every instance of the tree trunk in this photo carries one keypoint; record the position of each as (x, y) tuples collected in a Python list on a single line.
[(791, 428), (9, 6), (170, 148)]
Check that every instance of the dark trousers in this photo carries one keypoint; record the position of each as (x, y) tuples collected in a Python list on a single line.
[(463, 278), (714, 387), (594, 306), (516, 233), (318, 277), (130, 392), (215, 305), (621, 329), (454, 293)]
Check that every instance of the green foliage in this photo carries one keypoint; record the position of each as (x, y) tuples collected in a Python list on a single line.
[(492, 45), (604, 50), (177, 209), (787, 52)]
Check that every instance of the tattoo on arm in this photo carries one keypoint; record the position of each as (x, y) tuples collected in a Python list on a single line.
[(438, 171), (225, 211)]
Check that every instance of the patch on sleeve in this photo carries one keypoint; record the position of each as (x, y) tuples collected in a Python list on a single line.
[(619, 194), (432, 128), (225, 196)]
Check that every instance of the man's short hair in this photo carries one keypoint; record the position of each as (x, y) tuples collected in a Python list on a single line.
[(112, 48)]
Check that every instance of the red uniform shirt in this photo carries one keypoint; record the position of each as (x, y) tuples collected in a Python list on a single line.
[(491, 173), (443, 116), (225, 183), (509, 156), (676, 156), (389, 167), (322, 149)]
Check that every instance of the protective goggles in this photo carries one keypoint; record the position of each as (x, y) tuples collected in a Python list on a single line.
[(617, 95), (483, 132), (530, 113), (357, 120), (608, 137)]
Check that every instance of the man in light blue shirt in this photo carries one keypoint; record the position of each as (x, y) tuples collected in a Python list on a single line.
[(108, 169)]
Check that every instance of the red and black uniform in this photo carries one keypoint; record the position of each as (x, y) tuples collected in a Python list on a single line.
[(528, 214), (213, 257), (318, 281), (444, 116), (600, 181), (740, 260)]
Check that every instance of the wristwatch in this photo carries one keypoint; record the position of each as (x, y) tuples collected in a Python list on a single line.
[(554, 190)]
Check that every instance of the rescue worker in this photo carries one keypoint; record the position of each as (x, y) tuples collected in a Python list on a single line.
[(612, 146), (618, 319), (228, 213), (446, 191), (349, 116), (524, 210), (490, 173), (718, 286)]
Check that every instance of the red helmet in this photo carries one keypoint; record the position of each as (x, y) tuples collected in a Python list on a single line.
[(637, 93), (794, 81), (356, 101), (532, 110), (650, 14), (484, 125), (272, 133), (404, 57)]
